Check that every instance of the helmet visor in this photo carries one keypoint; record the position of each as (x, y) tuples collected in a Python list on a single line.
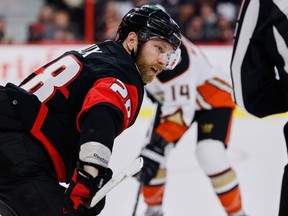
[(172, 59)]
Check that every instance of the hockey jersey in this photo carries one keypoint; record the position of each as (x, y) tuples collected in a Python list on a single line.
[(194, 84), (52, 100)]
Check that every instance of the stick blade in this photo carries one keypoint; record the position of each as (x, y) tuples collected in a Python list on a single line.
[(134, 167)]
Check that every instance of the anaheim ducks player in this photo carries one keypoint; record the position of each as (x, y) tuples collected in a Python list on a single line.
[(194, 91)]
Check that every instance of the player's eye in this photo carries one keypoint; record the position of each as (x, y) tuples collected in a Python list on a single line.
[(160, 49)]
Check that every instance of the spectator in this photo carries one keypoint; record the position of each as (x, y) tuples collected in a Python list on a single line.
[(228, 9), (210, 18), (199, 20), (111, 19), (194, 30), (75, 8), (186, 11), (62, 29), (4, 38), (99, 22), (226, 31), (44, 21)]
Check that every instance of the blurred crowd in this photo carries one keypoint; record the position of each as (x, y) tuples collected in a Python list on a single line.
[(63, 20), (4, 38)]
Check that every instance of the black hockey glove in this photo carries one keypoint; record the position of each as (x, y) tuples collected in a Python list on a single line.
[(153, 155), (82, 189)]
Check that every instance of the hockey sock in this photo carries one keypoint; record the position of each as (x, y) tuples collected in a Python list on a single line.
[(212, 157), (154, 192)]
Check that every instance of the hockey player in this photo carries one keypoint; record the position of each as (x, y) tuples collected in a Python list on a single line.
[(69, 112), (194, 91), (259, 66)]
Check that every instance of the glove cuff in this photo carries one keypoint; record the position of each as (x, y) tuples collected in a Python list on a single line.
[(101, 170), (95, 153), (94, 184)]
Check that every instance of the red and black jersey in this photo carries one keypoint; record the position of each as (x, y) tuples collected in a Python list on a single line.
[(53, 100)]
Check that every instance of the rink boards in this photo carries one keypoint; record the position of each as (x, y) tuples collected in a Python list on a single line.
[(18, 61)]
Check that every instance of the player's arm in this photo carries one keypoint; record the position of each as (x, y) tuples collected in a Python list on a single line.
[(108, 109), (99, 127), (165, 131), (103, 117), (259, 57)]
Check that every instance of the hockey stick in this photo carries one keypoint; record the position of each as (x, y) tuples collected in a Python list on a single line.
[(129, 171), (154, 123), (137, 200)]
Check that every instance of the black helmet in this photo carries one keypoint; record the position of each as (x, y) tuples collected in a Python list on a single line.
[(149, 21)]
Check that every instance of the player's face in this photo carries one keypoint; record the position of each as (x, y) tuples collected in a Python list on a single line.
[(153, 58)]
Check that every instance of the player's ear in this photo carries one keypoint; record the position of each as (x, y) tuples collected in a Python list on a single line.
[(132, 42)]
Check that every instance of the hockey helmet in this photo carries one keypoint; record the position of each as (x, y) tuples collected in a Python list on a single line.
[(149, 21)]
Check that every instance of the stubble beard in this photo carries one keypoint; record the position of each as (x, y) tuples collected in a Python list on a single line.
[(145, 71)]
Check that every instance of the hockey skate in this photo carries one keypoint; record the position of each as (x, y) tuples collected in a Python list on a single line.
[(154, 211)]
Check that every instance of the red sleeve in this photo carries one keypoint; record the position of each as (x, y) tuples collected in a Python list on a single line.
[(113, 91)]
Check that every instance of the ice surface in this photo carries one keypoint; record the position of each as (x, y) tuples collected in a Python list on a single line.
[(258, 154)]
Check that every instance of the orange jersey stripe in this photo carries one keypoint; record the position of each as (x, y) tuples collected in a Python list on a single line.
[(171, 131), (214, 96)]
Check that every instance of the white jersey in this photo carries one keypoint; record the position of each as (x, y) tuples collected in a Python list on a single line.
[(193, 85)]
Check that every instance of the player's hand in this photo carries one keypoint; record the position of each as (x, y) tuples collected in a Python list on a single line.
[(82, 189), (153, 156)]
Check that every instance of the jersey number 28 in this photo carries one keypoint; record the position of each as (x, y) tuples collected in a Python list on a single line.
[(57, 75)]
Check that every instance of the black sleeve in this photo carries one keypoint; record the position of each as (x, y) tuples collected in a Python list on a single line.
[(259, 76), (102, 123)]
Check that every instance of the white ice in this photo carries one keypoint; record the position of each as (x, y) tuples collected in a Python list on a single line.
[(258, 154)]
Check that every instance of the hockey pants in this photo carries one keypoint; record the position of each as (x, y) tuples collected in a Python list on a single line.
[(27, 181)]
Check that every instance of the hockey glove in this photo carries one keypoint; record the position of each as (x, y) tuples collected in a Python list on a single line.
[(82, 189), (153, 155)]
